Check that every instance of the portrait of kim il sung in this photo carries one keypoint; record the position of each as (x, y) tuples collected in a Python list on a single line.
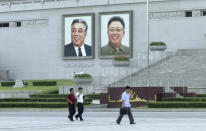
[(116, 34), (78, 36)]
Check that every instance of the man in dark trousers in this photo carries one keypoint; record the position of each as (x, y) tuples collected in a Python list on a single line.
[(71, 102), (126, 106), (80, 106)]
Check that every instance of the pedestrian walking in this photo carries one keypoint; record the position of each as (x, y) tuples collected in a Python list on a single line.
[(80, 105), (126, 106), (71, 102)]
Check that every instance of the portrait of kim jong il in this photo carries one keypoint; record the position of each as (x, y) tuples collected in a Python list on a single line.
[(118, 39)]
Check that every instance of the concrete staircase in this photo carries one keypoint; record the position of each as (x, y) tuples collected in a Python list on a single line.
[(114, 74), (187, 68)]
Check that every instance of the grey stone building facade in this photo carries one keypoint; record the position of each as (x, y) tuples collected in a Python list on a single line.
[(33, 49)]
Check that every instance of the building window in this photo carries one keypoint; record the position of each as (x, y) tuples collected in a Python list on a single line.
[(18, 24), (188, 14), (4, 24), (11, 24), (204, 13)]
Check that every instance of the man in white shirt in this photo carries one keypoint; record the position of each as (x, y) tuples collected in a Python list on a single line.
[(80, 101), (126, 106)]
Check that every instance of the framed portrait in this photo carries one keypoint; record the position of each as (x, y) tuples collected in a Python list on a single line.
[(78, 36), (115, 34)]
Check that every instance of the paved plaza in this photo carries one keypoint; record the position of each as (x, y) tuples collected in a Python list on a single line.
[(101, 121)]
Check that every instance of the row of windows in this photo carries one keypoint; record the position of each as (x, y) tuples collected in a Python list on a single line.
[(178, 14), (24, 23), (189, 13), (18, 23), (27, 2), (10, 24)]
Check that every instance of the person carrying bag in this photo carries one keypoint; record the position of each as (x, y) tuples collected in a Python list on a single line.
[(126, 106), (123, 111)]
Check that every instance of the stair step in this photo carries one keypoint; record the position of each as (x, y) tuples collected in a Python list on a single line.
[(180, 70)]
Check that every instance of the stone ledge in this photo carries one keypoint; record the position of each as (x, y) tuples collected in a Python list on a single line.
[(6, 6), (17, 94), (191, 52)]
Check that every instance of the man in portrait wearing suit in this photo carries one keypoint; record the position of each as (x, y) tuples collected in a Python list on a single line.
[(115, 32), (77, 47)]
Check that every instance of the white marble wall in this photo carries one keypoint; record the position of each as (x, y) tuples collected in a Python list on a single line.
[(33, 51)]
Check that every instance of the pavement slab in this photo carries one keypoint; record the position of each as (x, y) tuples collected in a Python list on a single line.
[(101, 121)]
